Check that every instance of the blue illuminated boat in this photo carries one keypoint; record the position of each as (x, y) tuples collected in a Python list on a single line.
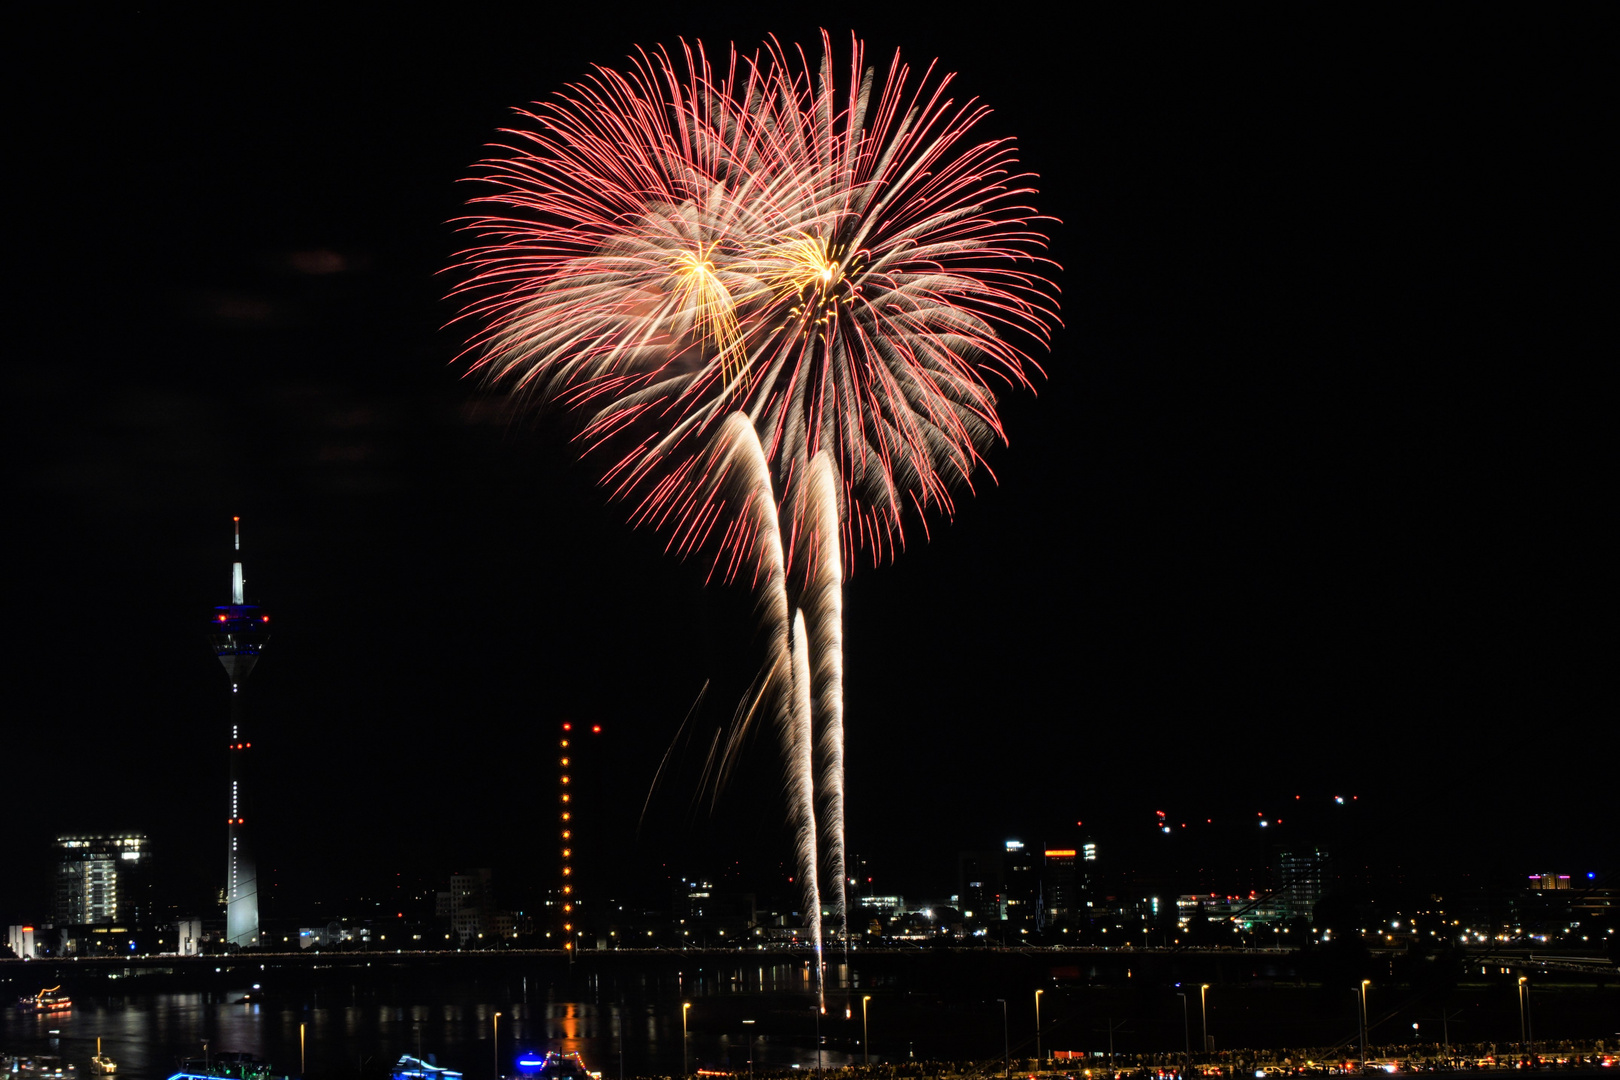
[(554, 1065), (414, 1068), (227, 1065)]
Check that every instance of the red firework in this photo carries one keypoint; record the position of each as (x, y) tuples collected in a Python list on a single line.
[(675, 243)]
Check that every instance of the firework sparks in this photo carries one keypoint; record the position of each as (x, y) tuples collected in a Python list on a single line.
[(668, 245)]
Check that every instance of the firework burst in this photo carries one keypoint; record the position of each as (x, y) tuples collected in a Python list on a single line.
[(775, 301), (674, 243)]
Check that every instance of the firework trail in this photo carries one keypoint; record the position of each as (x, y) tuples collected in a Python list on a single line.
[(824, 614), (787, 670), (774, 301), (801, 788)]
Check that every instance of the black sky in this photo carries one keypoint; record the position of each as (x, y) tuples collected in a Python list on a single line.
[(1308, 503)]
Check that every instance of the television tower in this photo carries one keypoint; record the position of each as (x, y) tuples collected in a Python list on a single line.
[(239, 631)]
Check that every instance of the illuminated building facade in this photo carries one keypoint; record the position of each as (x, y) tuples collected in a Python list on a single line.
[(102, 879), (979, 885), (20, 939), (1023, 904), (1303, 880), (472, 905), (239, 631), (1062, 883)]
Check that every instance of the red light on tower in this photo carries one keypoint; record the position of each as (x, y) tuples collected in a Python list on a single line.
[(596, 729), (567, 726)]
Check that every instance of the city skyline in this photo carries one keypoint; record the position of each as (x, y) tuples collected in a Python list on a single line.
[(1301, 508)]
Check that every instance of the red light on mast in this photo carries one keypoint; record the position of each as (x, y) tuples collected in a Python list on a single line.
[(596, 729)]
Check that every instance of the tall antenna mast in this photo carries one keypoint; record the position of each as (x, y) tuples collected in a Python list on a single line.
[(238, 582), (239, 631)]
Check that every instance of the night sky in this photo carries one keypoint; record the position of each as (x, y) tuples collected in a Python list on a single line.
[(1307, 504)]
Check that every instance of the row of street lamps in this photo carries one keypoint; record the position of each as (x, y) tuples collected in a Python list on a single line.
[(1006, 1036), (1526, 1030)]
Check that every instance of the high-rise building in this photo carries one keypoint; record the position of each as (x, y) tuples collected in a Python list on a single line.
[(239, 631), (102, 879), (1024, 905), (472, 905), (1303, 876), (1062, 883), (979, 887)]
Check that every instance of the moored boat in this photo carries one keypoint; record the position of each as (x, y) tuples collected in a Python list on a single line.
[(554, 1065), (415, 1068), (101, 1063), (226, 1065), (41, 1067), (51, 999)]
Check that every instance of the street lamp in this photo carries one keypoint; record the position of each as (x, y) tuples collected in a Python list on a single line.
[(1364, 1024), (1203, 1009), (1006, 1042), (684, 1006), (1186, 1038), (750, 1052), (818, 1010), (1038, 1058), (866, 1043), (495, 1046), (1524, 1001)]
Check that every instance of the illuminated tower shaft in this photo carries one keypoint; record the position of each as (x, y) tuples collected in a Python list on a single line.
[(239, 631)]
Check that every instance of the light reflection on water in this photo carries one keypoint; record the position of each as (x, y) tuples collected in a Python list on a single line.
[(353, 1029)]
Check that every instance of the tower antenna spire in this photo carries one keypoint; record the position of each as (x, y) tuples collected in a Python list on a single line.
[(238, 582)]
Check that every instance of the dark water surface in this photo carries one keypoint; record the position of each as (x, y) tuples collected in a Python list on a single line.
[(623, 1011), (352, 1027)]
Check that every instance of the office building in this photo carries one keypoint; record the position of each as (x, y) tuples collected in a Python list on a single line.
[(102, 879), (1062, 879)]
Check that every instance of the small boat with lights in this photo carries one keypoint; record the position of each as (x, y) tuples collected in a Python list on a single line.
[(415, 1068), (554, 1065), (227, 1065), (41, 1067), (101, 1064), (46, 1001)]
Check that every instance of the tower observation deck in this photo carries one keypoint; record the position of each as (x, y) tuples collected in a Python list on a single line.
[(238, 632)]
